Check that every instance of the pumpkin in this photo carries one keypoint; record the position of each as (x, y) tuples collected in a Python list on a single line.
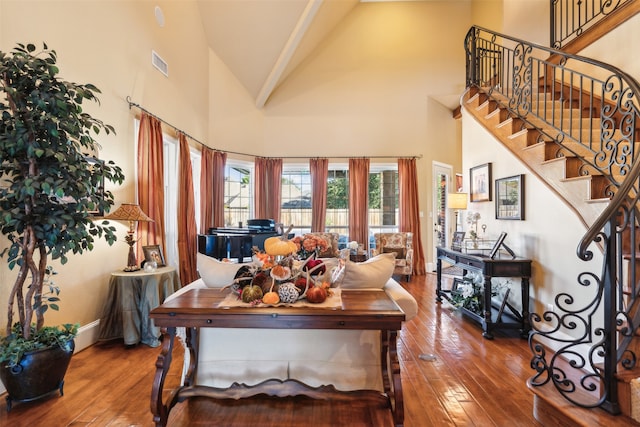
[(315, 266), (288, 293), (251, 293), (316, 294), (276, 245), (271, 298), (280, 245), (280, 272)]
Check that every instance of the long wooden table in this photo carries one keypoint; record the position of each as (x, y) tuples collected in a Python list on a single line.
[(501, 266), (200, 308)]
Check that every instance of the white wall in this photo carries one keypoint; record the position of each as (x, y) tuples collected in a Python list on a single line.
[(548, 235), (109, 44)]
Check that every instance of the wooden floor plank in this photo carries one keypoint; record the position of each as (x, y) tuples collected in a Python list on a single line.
[(471, 382)]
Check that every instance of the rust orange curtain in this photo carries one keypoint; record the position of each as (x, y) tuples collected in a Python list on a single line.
[(359, 201), (206, 189), (219, 163), (187, 232), (319, 169), (150, 183), (410, 209), (268, 188)]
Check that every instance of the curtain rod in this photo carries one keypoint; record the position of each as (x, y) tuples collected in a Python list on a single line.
[(141, 108)]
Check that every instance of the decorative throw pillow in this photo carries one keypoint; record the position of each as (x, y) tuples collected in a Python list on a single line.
[(216, 274), (372, 273)]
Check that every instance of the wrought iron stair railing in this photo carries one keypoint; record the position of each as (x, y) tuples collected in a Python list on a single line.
[(591, 110)]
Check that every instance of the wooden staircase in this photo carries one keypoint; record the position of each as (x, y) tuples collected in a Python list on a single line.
[(584, 190), (562, 172)]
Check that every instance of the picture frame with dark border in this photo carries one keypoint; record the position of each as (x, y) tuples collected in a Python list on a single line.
[(480, 183), (509, 197), (153, 253), (457, 241), (500, 243)]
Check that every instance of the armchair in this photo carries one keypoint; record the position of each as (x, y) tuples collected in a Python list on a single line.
[(402, 245)]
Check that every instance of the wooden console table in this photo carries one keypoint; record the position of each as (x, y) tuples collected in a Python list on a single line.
[(199, 308), (497, 267)]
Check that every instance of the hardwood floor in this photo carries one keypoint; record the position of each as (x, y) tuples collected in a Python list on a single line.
[(471, 382)]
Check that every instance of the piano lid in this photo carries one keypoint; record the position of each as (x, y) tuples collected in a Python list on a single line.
[(261, 224)]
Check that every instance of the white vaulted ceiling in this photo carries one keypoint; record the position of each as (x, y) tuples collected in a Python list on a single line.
[(262, 41)]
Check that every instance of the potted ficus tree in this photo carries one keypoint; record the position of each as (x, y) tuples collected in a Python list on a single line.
[(49, 187)]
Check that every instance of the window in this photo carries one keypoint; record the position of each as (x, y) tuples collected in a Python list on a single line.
[(171, 161), (337, 220), (170, 170), (296, 199), (238, 193), (383, 200), (196, 159), (170, 147)]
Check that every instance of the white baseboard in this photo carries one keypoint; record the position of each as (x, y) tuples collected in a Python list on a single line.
[(87, 336)]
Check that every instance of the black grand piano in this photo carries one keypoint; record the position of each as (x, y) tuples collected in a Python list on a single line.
[(236, 243)]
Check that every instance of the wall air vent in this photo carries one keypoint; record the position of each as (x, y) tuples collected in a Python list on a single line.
[(159, 63)]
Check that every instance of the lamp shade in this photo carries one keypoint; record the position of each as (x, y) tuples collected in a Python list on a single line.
[(128, 212), (457, 200)]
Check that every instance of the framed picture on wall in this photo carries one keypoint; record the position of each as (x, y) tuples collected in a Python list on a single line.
[(510, 197), (480, 183)]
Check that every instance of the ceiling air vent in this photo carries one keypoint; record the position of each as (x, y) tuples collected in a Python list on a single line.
[(159, 63)]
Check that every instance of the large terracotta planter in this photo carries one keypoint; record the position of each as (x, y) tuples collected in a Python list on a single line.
[(38, 374)]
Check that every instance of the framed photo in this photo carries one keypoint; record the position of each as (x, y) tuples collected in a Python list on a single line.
[(457, 281), (497, 244), (153, 253), (457, 240), (480, 183), (510, 197)]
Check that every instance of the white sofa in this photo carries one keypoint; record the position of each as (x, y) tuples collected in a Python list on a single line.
[(350, 360)]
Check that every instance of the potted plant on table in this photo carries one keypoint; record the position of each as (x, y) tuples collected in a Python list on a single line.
[(48, 187)]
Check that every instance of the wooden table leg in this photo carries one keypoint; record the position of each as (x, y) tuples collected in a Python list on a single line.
[(192, 346), (487, 324), (526, 322), (391, 374), (159, 410), (439, 280)]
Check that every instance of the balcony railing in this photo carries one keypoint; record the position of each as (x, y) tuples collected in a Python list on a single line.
[(571, 18)]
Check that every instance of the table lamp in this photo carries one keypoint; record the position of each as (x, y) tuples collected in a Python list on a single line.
[(129, 212), (458, 202)]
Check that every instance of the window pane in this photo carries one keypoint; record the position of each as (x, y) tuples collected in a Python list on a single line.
[(170, 146), (337, 220), (238, 194), (383, 202), (296, 199), (195, 176)]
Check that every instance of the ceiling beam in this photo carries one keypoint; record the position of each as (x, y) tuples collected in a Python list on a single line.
[(287, 52)]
